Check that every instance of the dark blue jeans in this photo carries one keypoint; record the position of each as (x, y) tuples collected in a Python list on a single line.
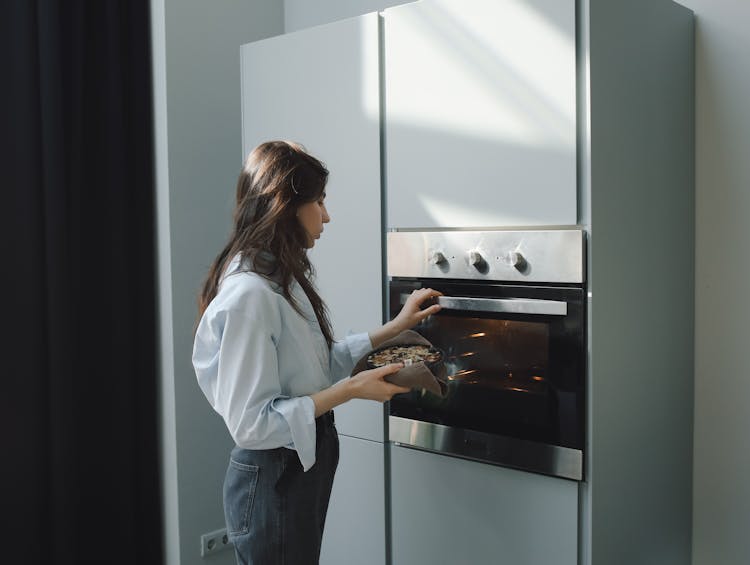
[(274, 511)]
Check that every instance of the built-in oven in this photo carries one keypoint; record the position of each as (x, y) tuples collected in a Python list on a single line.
[(512, 328)]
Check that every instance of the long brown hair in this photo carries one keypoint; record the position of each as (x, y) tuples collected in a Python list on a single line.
[(277, 178)]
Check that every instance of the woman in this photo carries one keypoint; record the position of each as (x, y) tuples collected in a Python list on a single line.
[(266, 359)]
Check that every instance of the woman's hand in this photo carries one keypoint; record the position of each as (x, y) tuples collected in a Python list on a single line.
[(411, 313), (368, 385), (371, 384)]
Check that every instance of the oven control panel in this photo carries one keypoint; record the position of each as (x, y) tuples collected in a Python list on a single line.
[(544, 255)]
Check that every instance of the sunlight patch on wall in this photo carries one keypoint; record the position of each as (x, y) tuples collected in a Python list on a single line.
[(487, 69), (537, 51)]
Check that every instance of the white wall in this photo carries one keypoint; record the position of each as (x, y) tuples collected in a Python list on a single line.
[(196, 48), (721, 489)]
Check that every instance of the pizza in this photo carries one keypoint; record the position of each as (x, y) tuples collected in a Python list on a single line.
[(406, 354)]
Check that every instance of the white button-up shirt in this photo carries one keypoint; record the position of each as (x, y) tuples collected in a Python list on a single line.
[(257, 361)]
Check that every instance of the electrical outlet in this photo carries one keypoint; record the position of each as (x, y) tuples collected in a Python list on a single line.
[(215, 541)]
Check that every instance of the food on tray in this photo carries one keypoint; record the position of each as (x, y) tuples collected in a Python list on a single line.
[(406, 354)]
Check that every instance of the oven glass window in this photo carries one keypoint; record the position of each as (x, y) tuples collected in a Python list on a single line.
[(502, 354), (510, 375)]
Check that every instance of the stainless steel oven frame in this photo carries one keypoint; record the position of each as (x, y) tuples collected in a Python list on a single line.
[(542, 257), (517, 453)]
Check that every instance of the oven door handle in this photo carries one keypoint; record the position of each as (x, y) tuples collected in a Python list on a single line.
[(504, 305)]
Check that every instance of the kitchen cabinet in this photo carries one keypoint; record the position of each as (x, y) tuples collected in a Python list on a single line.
[(449, 510), (480, 113), (355, 525), (489, 123)]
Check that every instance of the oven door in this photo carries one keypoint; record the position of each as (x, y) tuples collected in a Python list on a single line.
[(515, 363)]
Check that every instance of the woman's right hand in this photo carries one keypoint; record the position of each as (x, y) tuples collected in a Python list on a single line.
[(371, 384)]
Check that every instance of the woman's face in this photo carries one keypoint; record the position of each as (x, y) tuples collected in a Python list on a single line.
[(312, 216)]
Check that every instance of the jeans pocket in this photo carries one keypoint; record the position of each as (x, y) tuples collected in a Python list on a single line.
[(239, 493)]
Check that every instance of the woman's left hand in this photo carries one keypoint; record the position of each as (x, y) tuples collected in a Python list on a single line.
[(412, 313)]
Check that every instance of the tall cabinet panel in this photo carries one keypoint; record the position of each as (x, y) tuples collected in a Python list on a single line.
[(481, 113), (449, 510), (320, 87), (356, 518)]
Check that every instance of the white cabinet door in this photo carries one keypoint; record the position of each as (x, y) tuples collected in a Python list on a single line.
[(480, 113), (320, 87), (355, 525), (449, 510)]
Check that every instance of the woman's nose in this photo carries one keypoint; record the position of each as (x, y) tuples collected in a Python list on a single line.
[(326, 217)]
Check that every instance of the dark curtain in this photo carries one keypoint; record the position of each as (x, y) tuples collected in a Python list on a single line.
[(80, 465)]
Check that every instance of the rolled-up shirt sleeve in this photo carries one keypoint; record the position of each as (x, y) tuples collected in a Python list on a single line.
[(235, 359), (344, 354)]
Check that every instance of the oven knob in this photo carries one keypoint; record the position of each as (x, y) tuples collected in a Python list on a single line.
[(515, 259), (476, 259), (437, 258)]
